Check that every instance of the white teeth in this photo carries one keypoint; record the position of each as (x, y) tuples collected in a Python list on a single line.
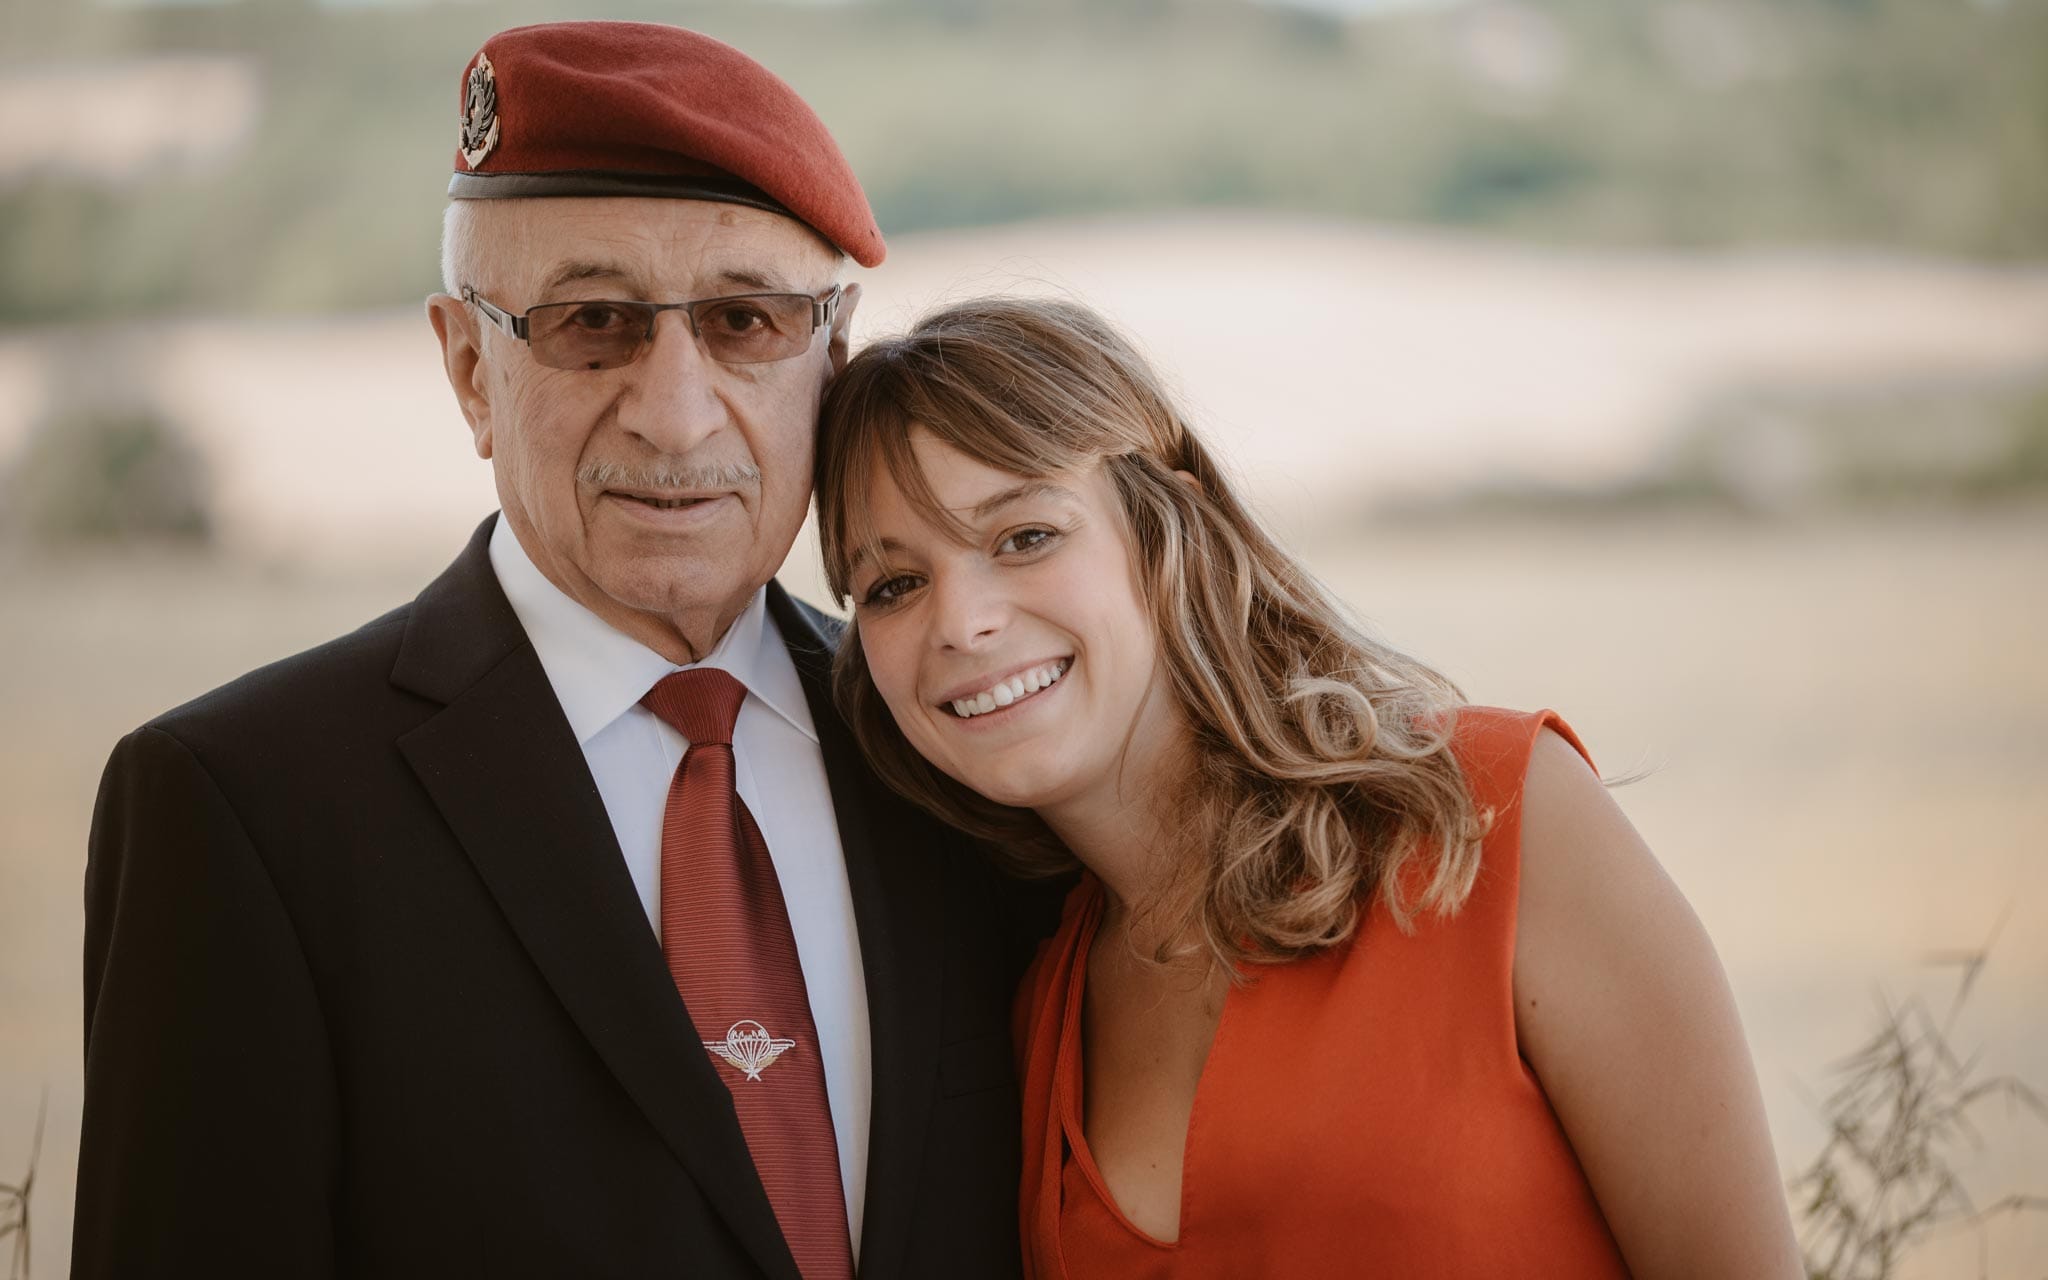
[(1005, 692)]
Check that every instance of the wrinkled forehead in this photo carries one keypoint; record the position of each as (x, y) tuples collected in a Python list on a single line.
[(646, 247)]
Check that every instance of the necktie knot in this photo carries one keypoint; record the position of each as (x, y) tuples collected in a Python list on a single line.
[(702, 704)]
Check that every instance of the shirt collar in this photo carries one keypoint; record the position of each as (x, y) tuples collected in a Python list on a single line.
[(600, 673)]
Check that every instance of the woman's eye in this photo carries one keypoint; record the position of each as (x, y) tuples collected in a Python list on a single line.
[(1025, 540), (889, 590)]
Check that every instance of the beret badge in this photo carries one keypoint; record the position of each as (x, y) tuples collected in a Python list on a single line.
[(479, 113)]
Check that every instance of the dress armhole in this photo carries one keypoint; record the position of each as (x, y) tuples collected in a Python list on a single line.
[(1494, 747)]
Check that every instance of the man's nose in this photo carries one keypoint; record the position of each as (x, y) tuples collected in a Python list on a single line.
[(672, 399), (970, 609)]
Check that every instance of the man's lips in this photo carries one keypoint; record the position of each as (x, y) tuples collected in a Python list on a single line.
[(666, 501)]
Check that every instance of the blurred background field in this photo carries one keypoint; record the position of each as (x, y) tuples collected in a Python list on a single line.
[(1680, 365)]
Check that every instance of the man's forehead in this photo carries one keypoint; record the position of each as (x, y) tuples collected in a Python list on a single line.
[(731, 273), (660, 246)]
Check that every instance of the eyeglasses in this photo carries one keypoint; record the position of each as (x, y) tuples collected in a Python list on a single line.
[(748, 328)]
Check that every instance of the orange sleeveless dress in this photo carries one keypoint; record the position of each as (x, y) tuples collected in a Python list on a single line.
[(1362, 1112)]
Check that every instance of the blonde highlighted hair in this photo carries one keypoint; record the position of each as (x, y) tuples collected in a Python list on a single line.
[(1321, 774)]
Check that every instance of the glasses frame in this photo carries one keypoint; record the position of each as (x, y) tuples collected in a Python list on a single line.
[(824, 313)]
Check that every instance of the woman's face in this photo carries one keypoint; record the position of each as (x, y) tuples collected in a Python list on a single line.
[(1023, 661)]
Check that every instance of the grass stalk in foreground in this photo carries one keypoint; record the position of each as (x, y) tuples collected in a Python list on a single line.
[(1898, 1119), (14, 1201)]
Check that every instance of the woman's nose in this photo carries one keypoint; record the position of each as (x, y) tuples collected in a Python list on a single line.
[(970, 609)]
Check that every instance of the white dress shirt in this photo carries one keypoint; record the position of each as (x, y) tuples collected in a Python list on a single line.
[(599, 676)]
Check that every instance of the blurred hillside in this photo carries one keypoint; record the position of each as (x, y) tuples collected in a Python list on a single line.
[(285, 154)]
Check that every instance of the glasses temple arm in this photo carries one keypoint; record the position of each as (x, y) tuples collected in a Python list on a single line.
[(514, 325)]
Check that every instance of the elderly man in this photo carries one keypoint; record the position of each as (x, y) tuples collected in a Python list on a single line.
[(551, 924)]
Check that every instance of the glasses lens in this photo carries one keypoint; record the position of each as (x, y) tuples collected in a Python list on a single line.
[(754, 329), (587, 335)]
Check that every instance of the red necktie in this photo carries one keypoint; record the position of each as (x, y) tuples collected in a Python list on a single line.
[(725, 933)]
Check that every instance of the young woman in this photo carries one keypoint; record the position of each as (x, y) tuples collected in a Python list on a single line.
[(1357, 979)]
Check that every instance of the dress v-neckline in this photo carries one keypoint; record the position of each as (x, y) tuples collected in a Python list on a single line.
[(1069, 1085)]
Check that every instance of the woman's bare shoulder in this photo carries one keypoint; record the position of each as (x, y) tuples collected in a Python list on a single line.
[(1624, 1014)]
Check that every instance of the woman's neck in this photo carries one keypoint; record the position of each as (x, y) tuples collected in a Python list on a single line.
[(1130, 829), (1116, 835)]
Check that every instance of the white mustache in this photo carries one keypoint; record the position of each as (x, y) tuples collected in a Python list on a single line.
[(669, 474)]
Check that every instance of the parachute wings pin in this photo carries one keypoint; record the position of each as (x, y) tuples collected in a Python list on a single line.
[(748, 1046)]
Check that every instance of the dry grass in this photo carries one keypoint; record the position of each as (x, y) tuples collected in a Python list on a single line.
[(1900, 1123), (14, 1205)]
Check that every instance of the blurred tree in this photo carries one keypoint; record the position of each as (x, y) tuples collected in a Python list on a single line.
[(1920, 124), (108, 475)]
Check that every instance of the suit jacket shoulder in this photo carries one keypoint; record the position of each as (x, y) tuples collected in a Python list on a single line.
[(309, 692)]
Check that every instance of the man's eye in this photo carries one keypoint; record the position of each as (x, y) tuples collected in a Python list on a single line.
[(1025, 540), (737, 319), (598, 317), (889, 590)]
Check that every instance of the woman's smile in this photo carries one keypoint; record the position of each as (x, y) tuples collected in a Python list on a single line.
[(983, 698)]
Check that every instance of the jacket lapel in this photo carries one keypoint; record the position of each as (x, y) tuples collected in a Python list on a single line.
[(505, 770), (896, 906)]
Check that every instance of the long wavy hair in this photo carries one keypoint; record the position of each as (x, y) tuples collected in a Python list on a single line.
[(1320, 772)]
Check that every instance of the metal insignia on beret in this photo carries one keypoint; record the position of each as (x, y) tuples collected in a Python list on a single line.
[(479, 113)]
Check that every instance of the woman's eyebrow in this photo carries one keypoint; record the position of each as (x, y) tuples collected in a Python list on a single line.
[(860, 554), (1030, 489)]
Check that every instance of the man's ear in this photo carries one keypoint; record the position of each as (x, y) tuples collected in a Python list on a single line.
[(462, 357), (842, 327)]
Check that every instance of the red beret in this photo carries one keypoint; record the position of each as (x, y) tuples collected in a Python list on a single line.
[(640, 109)]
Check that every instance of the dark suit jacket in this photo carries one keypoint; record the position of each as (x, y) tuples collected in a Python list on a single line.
[(368, 990)]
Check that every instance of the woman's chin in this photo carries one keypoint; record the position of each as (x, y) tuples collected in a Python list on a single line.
[(1026, 792)]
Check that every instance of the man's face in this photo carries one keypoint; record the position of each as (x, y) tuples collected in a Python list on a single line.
[(660, 494)]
